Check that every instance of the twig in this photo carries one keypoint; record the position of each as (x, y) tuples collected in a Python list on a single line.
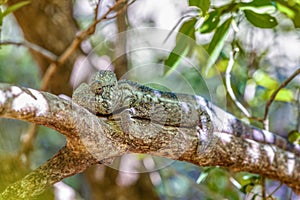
[(298, 108), (44, 52), (275, 190), (283, 84), (75, 44), (29, 136), (97, 10), (263, 187), (228, 84), (176, 25)]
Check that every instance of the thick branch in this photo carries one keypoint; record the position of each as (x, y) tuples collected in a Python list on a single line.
[(65, 163), (91, 139)]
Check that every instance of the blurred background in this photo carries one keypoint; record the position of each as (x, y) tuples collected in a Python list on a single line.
[(180, 46)]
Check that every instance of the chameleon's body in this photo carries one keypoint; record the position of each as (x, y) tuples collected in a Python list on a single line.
[(107, 96)]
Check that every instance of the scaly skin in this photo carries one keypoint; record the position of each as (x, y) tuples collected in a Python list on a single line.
[(107, 96)]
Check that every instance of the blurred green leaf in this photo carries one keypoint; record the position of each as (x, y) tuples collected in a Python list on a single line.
[(286, 10), (187, 29), (10, 9), (263, 79), (260, 20), (14, 7), (258, 6), (248, 182), (294, 136), (1, 18), (217, 43), (183, 44), (290, 9), (284, 95), (211, 22), (202, 4)]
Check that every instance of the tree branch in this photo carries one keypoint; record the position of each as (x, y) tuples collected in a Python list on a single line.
[(91, 139), (75, 44), (282, 85)]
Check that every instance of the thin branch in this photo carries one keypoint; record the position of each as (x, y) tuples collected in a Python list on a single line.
[(283, 84), (263, 187), (75, 44), (274, 191), (96, 15), (38, 49), (29, 136), (228, 84), (298, 108), (177, 24)]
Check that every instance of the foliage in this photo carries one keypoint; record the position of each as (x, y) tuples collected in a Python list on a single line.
[(10, 9), (220, 19), (219, 22)]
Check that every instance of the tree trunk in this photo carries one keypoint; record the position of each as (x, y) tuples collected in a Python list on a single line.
[(50, 24)]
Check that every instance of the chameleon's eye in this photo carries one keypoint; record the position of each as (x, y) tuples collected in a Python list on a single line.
[(96, 87), (98, 91)]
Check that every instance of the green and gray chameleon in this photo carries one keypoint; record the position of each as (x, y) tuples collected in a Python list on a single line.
[(105, 96)]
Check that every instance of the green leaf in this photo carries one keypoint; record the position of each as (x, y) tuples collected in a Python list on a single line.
[(187, 29), (202, 4), (294, 136), (174, 58), (284, 95), (1, 17), (260, 20), (265, 80), (286, 10), (184, 40), (290, 9), (258, 6), (211, 22), (217, 43), (14, 7)]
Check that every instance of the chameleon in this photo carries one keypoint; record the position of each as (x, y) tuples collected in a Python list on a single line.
[(106, 96)]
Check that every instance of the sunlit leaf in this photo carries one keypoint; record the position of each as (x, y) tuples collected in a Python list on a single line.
[(284, 95), (217, 43), (1, 17), (258, 6), (265, 80), (211, 22), (294, 136), (187, 29), (286, 10), (202, 4), (260, 20), (290, 9), (183, 43), (14, 7)]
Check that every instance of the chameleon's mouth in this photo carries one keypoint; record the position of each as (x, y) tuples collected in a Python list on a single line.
[(127, 113)]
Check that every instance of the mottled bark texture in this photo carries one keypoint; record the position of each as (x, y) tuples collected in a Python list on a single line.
[(50, 24), (91, 139)]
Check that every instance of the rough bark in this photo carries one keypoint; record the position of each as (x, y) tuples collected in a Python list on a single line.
[(91, 139)]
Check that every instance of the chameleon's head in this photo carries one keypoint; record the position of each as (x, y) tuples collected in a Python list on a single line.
[(105, 87)]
